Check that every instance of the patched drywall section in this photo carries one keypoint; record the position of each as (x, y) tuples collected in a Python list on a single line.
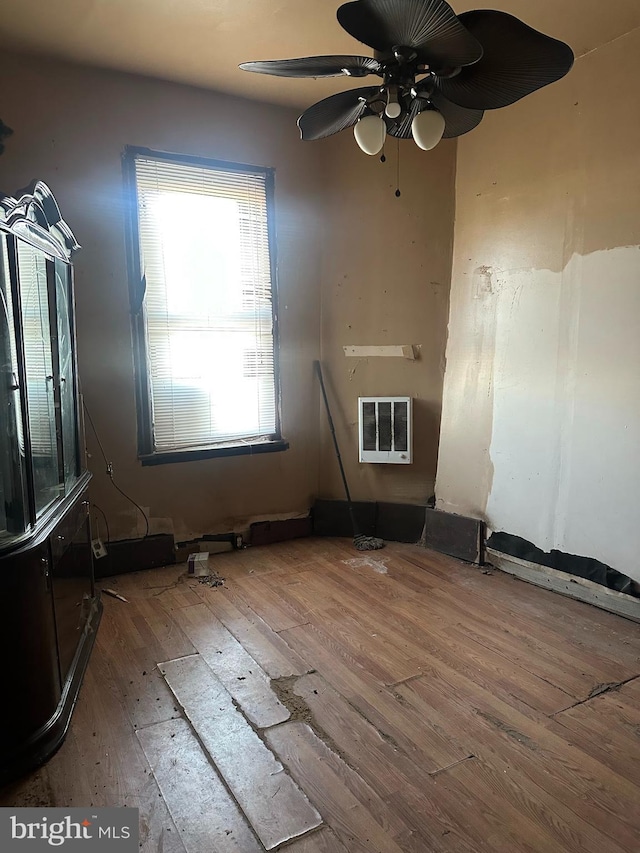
[(71, 125), (541, 412), (386, 271)]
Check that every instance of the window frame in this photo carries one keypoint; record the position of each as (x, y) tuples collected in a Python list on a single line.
[(146, 453)]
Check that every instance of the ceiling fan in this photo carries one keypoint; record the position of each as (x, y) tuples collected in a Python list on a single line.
[(440, 71)]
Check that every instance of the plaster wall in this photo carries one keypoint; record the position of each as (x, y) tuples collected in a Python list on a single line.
[(386, 271), (541, 412), (71, 124)]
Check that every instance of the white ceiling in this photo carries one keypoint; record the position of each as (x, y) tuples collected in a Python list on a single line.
[(201, 42)]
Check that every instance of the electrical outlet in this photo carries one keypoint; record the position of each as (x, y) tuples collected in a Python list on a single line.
[(98, 548)]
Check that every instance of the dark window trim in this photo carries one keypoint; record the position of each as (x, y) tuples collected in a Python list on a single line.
[(167, 456), (137, 286)]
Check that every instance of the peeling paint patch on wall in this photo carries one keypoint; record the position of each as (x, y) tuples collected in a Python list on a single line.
[(566, 414), (541, 411)]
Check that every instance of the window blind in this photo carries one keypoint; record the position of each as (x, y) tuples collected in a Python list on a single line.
[(204, 249)]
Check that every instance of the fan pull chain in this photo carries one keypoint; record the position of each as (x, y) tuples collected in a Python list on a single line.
[(398, 193)]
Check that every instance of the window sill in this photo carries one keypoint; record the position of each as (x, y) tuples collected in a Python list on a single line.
[(241, 449)]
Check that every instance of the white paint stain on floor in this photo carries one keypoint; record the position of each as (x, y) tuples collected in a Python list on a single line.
[(367, 562)]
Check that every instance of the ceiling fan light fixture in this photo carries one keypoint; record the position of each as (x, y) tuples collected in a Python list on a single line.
[(427, 129), (393, 109), (370, 133), (455, 66)]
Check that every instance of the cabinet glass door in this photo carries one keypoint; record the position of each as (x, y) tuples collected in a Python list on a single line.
[(69, 425), (12, 456), (38, 359)]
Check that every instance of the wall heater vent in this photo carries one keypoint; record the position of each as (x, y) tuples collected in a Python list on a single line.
[(385, 425)]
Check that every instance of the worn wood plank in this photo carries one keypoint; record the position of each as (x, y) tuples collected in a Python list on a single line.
[(263, 644), (356, 814), (267, 604), (505, 671), (417, 630), (394, 640), (245, 680), (547, 767), (375, 703), (505, 823), (573, 668), (565, 666), (370, 751), (368, 742), (607, 728), (102, 764), (274, 805), (322, 841), (393, 773), (565, 619), (164, 630), (134, 669), (206, 816)]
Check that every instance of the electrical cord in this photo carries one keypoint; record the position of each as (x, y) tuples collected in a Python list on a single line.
[(138, 507), (106, 522), (109, 471), (95, 432)]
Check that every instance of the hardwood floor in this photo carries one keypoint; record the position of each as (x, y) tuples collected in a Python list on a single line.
[(332, 701)]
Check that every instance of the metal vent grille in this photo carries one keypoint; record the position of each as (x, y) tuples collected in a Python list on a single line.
[(385, 429)]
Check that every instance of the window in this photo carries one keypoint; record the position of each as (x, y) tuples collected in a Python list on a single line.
[(202, 262)]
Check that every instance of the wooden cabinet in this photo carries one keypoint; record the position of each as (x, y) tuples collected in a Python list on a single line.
[(49, 611)]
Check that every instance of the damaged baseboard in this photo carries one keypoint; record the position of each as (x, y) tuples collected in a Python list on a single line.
[(393, 522), (331, 518), (269, 532), (258, 533), (588, 568), (400, 522), (455, 535), (133, 555), (566, 584)]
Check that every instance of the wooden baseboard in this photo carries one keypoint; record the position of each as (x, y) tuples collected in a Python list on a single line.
[(455, 535), (400, 522), (569, 585), (390, 521), (331, 518), (131, 555), (269, 532)]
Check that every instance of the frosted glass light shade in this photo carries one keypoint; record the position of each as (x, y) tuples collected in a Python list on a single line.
[(370, 133), (427, 128), (393, 109)]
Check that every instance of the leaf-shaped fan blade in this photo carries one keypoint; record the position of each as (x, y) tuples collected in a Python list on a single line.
[(517, 61), (430, 27), (458, 120), (335, 113), (317, 66)]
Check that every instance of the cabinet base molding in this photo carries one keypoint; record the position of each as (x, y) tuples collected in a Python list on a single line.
[(48, 739)]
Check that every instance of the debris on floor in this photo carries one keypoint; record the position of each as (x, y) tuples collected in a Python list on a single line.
[(115, 594), (213, 579)]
